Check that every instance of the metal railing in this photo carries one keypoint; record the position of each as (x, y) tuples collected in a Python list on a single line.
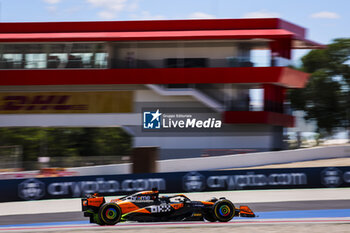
[(205, 62), (180, 63)]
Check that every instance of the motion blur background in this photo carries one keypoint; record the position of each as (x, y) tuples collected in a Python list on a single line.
[(320, 109), (75, 85)]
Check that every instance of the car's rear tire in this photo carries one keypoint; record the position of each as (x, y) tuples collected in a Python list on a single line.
[(109, 214), (223, 210)]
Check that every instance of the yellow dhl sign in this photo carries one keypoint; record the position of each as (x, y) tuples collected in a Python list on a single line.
[(66, 102)]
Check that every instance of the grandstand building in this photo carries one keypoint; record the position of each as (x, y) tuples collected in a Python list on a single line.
[(113, 73)]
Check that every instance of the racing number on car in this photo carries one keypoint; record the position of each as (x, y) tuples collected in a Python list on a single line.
[(161, 208)]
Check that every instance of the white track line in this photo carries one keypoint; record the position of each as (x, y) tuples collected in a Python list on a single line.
[(248, 222)]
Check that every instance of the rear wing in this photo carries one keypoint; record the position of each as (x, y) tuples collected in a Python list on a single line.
[(92, 202)]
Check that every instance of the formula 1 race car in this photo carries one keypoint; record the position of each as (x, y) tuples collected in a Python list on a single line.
[(147, 206)]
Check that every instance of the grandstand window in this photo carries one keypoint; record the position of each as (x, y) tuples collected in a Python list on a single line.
[(185, 54), (53, 56), (11, 61), (35, 61)]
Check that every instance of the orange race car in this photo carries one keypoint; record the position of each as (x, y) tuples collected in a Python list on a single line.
[(147, 206)]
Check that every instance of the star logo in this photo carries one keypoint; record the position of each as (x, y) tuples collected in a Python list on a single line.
[(152, 120), (156, 115)]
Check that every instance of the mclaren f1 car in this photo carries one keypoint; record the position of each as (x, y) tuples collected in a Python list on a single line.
[(148, 206)]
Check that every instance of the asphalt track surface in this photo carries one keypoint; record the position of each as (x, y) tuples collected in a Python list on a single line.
[(271, 210)]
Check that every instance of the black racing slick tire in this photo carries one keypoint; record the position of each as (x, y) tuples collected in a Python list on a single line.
[(223, 210), (109, 214)]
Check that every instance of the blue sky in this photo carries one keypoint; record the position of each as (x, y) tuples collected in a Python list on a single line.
[(325, 20)]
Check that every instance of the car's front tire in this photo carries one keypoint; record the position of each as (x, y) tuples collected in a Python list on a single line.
[(223, 210), (109, 214)]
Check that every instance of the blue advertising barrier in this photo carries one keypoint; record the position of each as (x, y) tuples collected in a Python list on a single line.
[(198, 181)]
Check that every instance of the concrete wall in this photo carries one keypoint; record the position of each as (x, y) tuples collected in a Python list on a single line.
[(229, 161), (68, 120), (204, 142), (254, 159)]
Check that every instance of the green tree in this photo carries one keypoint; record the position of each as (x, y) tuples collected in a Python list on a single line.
[(66, 142), (326, 98), (27, 138)]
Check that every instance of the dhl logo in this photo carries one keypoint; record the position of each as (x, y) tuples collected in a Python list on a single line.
[(38, 102)]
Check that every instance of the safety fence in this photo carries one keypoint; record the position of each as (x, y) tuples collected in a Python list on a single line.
[(109, 185)]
